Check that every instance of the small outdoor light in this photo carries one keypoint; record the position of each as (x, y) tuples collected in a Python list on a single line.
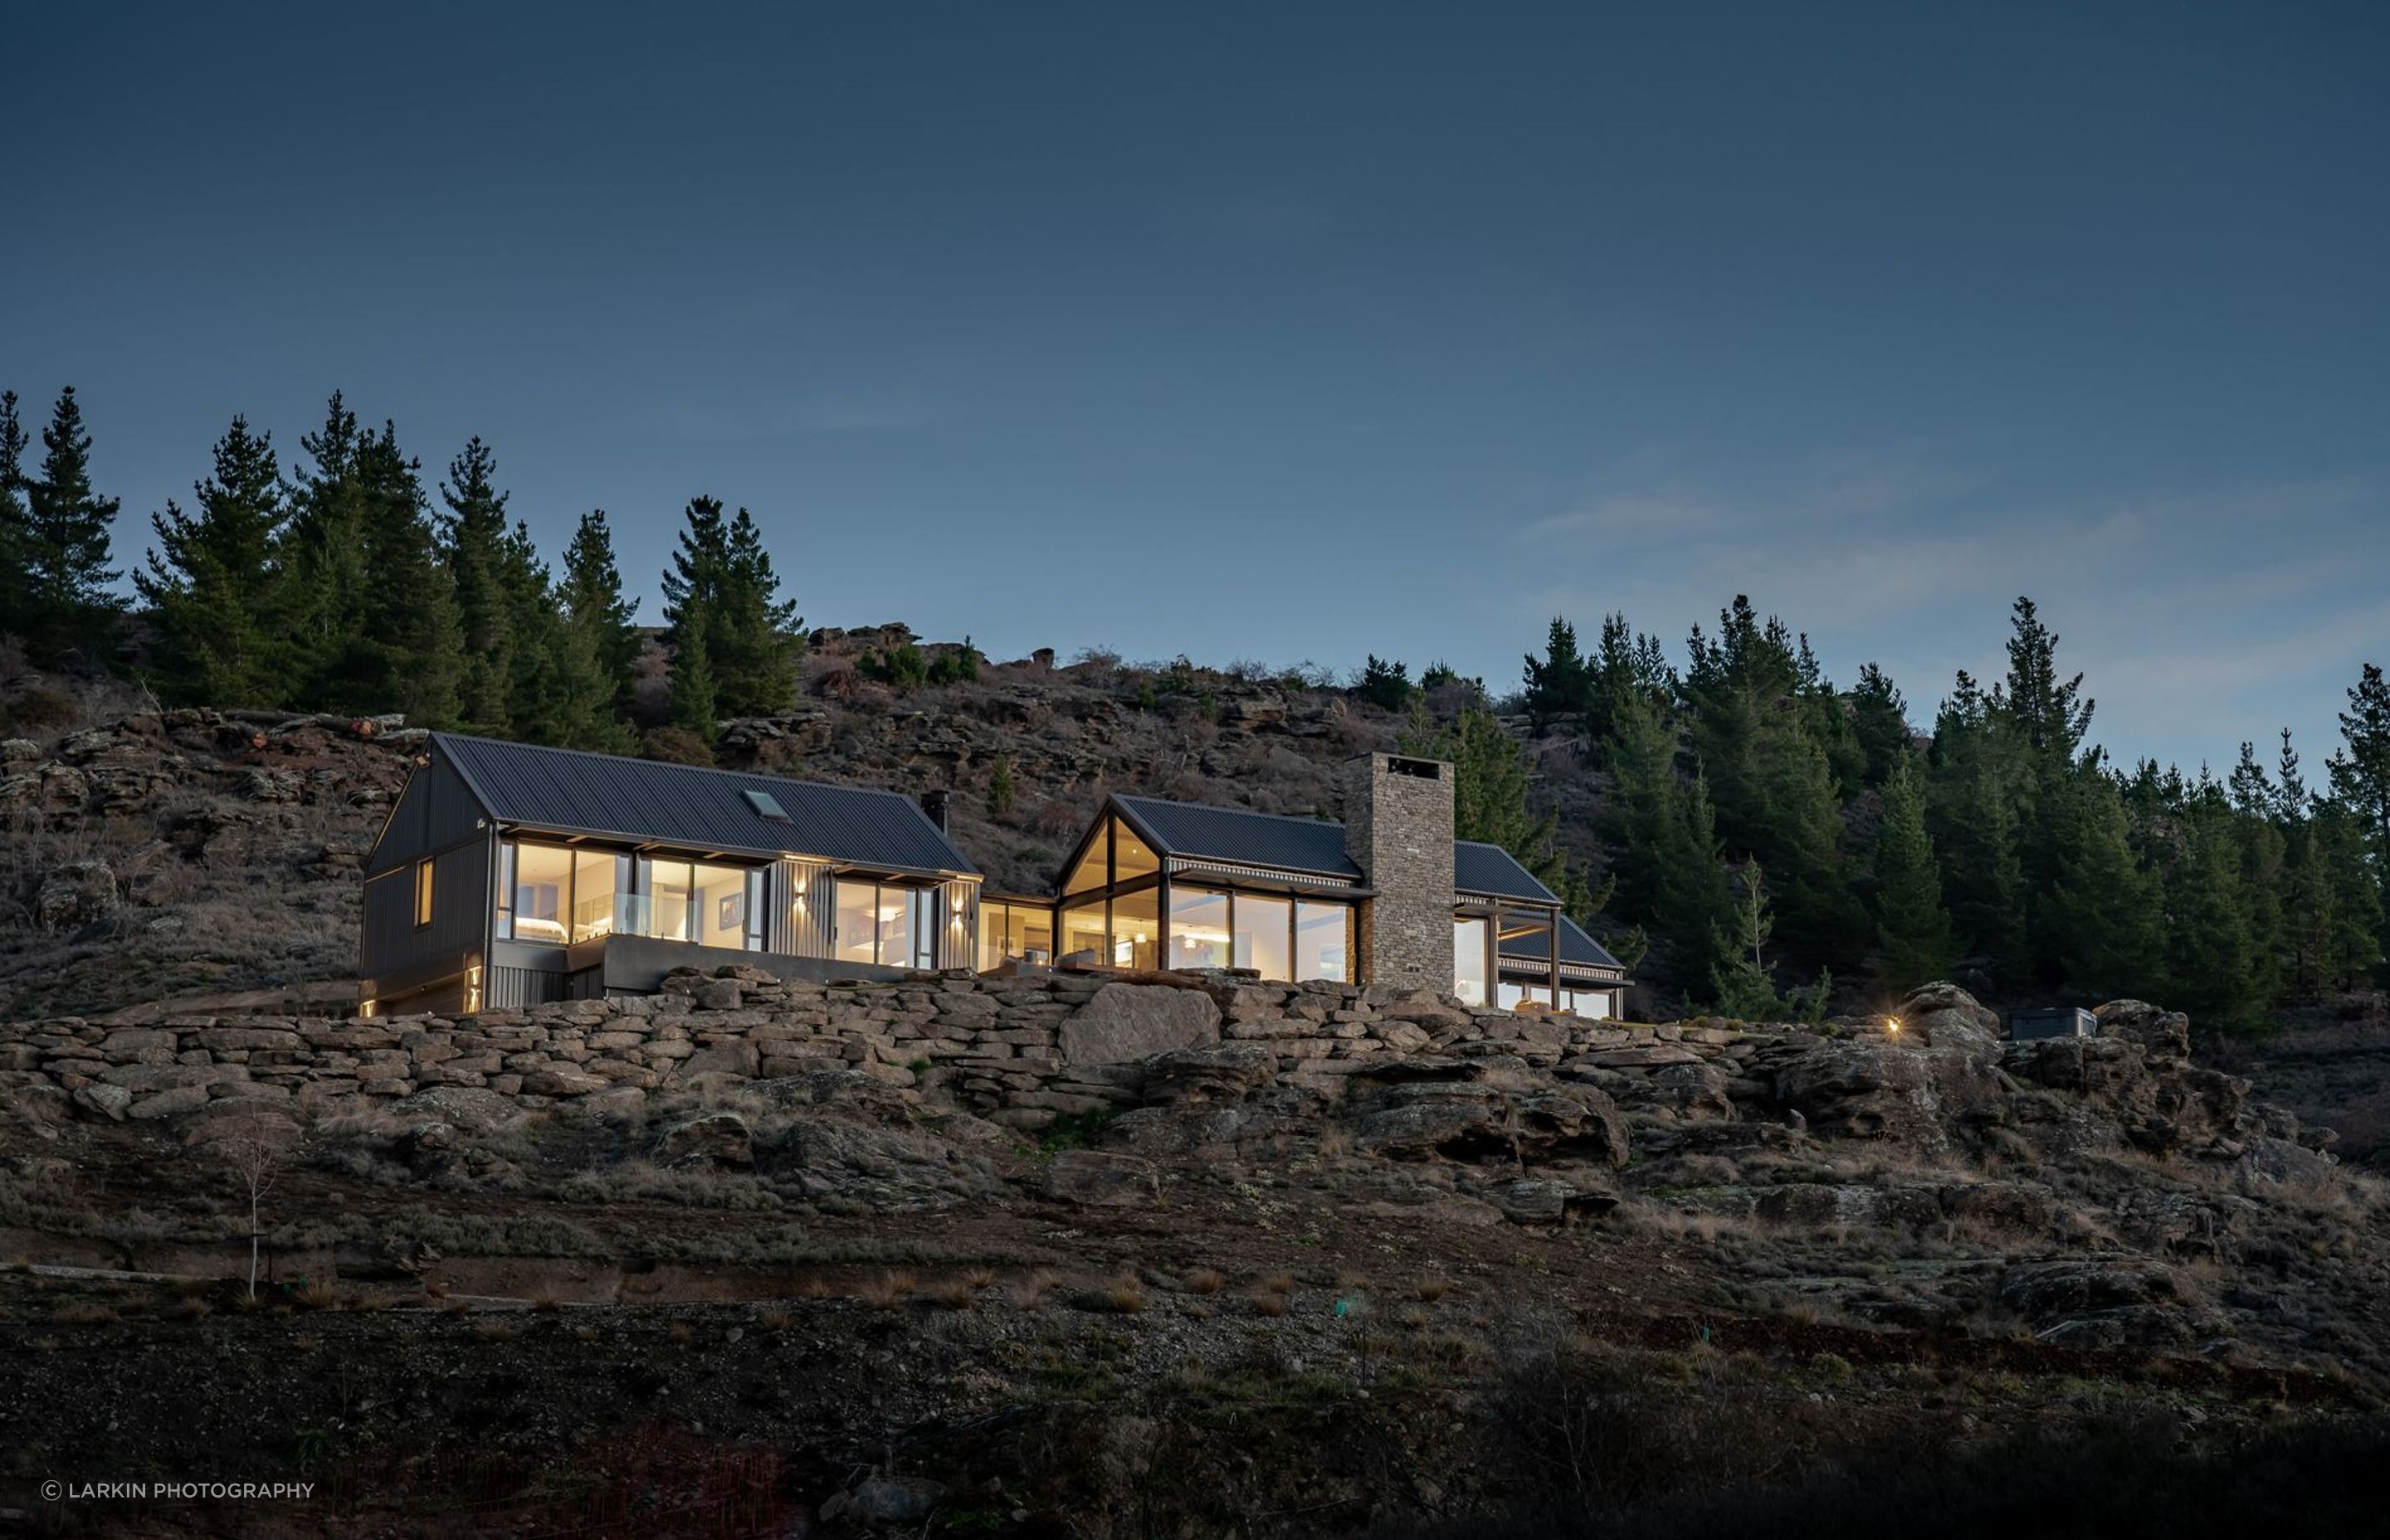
[(1891, 1025)]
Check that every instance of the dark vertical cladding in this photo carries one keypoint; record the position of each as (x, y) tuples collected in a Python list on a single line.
[(399, 955), (437, 810)]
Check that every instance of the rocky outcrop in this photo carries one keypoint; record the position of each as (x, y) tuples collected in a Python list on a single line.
[(1127, 1023)]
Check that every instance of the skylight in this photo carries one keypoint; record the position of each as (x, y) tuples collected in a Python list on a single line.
[(765, 805)]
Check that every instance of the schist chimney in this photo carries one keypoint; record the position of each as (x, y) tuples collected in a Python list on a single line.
[(1398, 830)]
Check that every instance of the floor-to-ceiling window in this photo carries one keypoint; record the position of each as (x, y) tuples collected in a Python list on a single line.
[(1137, 929), (1469, 938), (1011, 933), (890, 924), (1199, 928), (1323, 940), (1265, 929)]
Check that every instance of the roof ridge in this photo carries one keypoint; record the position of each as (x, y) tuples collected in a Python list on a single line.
[(441, 733), (1241, 812)]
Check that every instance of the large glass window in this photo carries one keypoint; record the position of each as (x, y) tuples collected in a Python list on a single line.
[(1321, 944), (543, 893), (1008, 932), (597, 876), (1137, 929), (1199, 928), (858, 922), (721, 917), (887, 923), (1469, 960), (669, 885), (1265, 933), (1132, 857), (1591, 1003), (1089, 872), (1084, 935)]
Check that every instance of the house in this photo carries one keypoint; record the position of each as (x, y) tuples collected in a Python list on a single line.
[(1387, 897), (508, 875)]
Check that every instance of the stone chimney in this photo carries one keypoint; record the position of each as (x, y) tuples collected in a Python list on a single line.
[(1398, 830), (933, 802)]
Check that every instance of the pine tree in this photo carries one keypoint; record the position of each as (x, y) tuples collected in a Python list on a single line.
[(692, 705), (408, 656), (2351, 944), (722, 583), (1879, 723), (1628, 666), (1384, 685), (1970, 814), (2361, 771), (1555, 684), (68, 608), (213, 580), (2102, 906), (16, 520), (320, 607), (591, 591), (1744, 985), (2263, 854), (1489, 797), (1000, 791), (1912, 927), (488, 607), (2209, 968)]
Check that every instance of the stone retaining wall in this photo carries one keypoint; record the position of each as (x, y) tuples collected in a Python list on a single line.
[(1021, 1051)]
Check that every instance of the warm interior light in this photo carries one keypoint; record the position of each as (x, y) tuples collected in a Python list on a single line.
[(1892, 1024)]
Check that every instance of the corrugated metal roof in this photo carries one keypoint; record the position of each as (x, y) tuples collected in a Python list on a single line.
[(1575, 947), (1481, 869), (696, 808), (1241, 836)]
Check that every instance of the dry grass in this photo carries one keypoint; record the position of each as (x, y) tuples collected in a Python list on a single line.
[(815, 1288), (190, 1307), (1432, 1287), (548, 1301), (1278, 1283), (680, 1333), (319, 1294), (82, 1313), (1032, 1292), (887, 1290), (1268, 1303), (951, 1294), (980, 1278), (495, 1332), (1125, 1295), (1335, 1141), (1205, 1280), (774, 1318)]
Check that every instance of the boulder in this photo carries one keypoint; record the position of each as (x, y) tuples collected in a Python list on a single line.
[(1571, 1122), (719, 1139), (882, 1500), (1125, 1023), (1886, 1089), (1944, 1015), (1227, 1072), (76, 894), (108, 1100), (560, 1080), (2269, 1162), (1542, 1201), (1099, 1178), (2165, 1035)]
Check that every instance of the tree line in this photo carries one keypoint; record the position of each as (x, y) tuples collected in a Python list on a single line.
[(336, 583), (1762, 826)]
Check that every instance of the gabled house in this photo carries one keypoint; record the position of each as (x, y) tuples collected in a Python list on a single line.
[(509, 874), (1388, 896)]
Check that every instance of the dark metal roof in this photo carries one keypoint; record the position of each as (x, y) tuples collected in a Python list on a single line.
[(1489, 870), (1575, 947), (1241, 836), (697, 808)]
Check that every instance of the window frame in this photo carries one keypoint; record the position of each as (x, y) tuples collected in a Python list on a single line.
[(426, 887)]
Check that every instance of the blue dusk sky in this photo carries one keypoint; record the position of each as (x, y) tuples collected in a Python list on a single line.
[(1298, 331)]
